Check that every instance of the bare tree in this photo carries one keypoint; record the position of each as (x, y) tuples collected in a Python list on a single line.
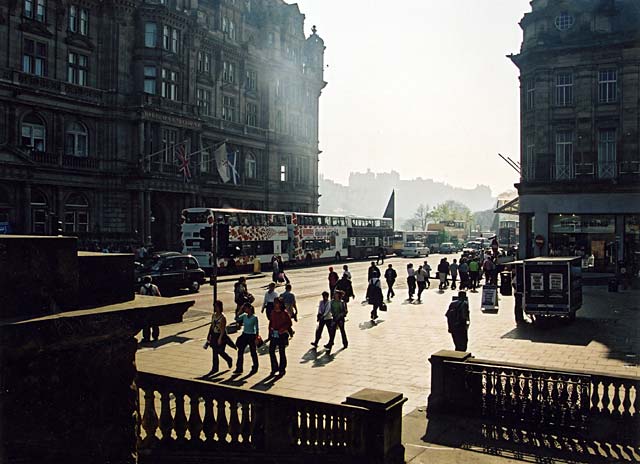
[(421, 216)]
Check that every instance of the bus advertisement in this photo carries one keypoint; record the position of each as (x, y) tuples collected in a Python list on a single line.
[(317, 237)]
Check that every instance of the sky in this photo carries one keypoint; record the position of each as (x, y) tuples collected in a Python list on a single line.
[(422, 87)]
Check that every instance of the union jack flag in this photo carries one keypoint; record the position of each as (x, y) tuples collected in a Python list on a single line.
[(183, 160)]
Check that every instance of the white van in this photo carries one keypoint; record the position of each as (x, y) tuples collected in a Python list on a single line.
[(414, 249)]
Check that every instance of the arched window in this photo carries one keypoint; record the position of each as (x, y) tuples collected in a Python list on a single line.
[(5, 211), (39, 211), (76, 214), (76, 140), (33, 133), (250, 166)]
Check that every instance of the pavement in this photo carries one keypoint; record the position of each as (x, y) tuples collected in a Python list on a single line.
[(392, 353)]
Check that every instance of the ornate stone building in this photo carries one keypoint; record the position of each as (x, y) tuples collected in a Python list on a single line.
[(579, 192), (104, 103)]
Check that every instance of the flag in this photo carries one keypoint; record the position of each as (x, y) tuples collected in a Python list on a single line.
[(183, 160), (390, 211), (232, 158), (222, 162)]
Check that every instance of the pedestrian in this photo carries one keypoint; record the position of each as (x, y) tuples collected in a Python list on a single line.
[(282, 276), (333, 280), (275, 268), (411, 281), (279, 327), (427, 269), (290, 305), (217, 337), (474, 270), (150, 289), (381, 256), (489, 268), (517, 297), (240, 294), (374, 296), (373, 271), (453, 269), (269, 298), (324, 318), (443, 273), (458, 321), (346, 272), (421, 281), (338, 313), (250, 332), (390, 275), (142, 252), (463, 270), (346, 287)]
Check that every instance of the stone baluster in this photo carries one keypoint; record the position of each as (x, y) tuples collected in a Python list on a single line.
[(616, 400), (595, 396), (209, 423), (180, 419), (636, 401), (304, 426), (195, 422), (222, 425), (234, 423), (149, 418), (585, 402), (245, 427), (509, 378), (314, 426), (574, 401), (166, 420), (331, 425), (606, 398), (626, 403)]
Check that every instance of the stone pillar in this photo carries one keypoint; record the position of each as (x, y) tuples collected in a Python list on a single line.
[(26, 208), (447, 385), (383, 428), (541, 227), (524, 244), (619, 231), (147, 217)]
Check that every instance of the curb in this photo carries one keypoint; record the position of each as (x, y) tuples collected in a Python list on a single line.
[(233, 278)]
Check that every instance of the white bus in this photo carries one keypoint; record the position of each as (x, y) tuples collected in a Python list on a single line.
[(251, 234), (317, 237)]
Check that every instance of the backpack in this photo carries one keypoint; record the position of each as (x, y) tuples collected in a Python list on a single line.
[(454, 316)]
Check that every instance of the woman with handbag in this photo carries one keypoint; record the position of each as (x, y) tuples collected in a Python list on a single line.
[(250, 334), (217, 337)]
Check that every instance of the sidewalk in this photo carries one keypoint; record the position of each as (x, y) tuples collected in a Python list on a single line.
[(235, 277)]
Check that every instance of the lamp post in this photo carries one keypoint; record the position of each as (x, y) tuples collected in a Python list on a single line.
[(214, 258)]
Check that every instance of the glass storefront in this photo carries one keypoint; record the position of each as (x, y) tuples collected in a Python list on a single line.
[(591, 236), (632, 243)]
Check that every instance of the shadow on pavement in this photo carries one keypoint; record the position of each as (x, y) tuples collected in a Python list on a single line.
[(370, 324), (521, 444), (266, 384), (164, 341), (581, 332)]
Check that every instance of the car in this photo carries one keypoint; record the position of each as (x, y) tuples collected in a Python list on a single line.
[(171, 271), (414, 249), (447, 247)]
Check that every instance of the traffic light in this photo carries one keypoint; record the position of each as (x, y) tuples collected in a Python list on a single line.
[(205, 234), (223, 239)]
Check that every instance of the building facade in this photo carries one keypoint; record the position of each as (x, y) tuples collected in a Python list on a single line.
[(117, 114), (579, 192)]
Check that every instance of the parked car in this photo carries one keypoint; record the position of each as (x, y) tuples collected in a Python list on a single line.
[(447, 247), (414, 249), (171, 271)]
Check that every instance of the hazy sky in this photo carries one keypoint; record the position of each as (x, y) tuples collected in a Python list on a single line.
[(419, 86)]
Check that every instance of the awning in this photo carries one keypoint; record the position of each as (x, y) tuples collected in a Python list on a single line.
[(511, 207)]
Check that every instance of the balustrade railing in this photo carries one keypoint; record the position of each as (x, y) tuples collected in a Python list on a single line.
[(181, 416)]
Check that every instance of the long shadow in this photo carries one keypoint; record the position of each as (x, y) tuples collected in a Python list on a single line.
[(370, 324), (266, 384), (164, 341), (524, 444), (581, 332)]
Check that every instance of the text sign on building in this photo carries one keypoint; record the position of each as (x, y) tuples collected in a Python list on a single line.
[(555, 282), (537, 281)]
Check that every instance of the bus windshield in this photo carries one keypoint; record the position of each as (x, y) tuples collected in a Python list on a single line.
[(191, 217)]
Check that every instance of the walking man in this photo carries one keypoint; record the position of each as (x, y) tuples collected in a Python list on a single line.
[(269, 298), (338, 313), (390, 276), (373, 271), (381, 256), (458, 321), (324, 317), (374, 296), (411, 281), (346, 272), (290, 304), (453, 269), (421, 280), (474, 269), (427, 270), (150, 289)]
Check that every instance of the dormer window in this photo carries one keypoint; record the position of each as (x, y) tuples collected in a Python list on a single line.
[(564, 21)]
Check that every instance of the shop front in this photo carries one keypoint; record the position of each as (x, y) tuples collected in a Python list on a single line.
[(632, 244)]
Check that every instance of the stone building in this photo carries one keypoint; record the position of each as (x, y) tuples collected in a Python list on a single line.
[(579, 192), (105, 103)]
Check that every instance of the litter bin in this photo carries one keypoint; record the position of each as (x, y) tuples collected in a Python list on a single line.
[(505, 283), (613, 285), (257, 267)]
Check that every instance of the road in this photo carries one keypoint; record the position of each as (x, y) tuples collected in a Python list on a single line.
[(393, 353)]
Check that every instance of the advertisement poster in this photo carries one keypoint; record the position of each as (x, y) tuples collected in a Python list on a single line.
[(489, 297), (555, 282), (537, 282)]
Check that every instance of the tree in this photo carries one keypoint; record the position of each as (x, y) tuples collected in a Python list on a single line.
[(419, 220)]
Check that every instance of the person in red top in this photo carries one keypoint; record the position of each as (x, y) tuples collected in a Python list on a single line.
[(333, 281), (279, 326)]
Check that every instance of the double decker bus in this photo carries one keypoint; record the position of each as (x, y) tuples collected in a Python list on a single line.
[(252, 234), (317, 237), (366, 235)]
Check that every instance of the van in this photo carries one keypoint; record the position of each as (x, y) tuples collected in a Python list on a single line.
[(447, 247), (414, 249)]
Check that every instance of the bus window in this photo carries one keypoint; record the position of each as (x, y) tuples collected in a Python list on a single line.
[(244, 219), (284, 246), (345, 243), (288, 219), (232, 219), (196, 218)]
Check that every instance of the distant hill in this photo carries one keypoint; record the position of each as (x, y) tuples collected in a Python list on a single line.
[(367, 194)]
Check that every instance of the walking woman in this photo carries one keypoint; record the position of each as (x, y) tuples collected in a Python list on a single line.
[(250, 332), (279, 326), (217, 337), (411, 280)]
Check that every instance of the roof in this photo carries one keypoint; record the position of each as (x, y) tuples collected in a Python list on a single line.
[(511, 207), (552, 259)]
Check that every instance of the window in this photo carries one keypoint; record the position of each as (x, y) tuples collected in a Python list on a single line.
[(150, 35), (76, 214), (607, 85), (204, 62), (250, 166), (530, 88), (39, 210), (279, 121), (251, 80), (169, 88), (252, 114), (34, 58), (529, 171), (150, 74), (170, 38), (203, 98), (564, 21), (205, 157), (564, 155), (169, 137), (228, 28), (174, 40), (278, 88), (228, 72), (283, 173), (607, 153), (76, 140), (564, 89), (228, 108), (77, 69), (33, 133), (78, 20), (35, 9)]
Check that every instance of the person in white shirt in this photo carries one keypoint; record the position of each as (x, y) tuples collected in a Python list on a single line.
[(269, 298), (411, 280), (324, 316), (346, 272)]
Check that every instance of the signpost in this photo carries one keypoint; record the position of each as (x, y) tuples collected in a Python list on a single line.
[(489, 298)]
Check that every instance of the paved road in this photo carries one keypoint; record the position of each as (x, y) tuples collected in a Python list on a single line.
[(393, 353)]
